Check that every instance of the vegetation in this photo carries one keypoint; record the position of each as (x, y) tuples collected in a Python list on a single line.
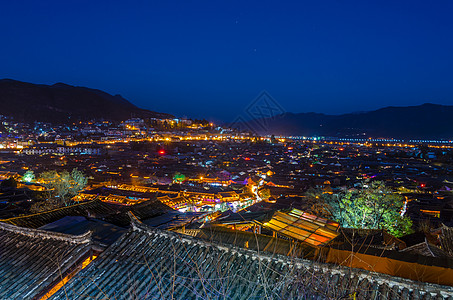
[(179, 178), (61, 188), (316, 200), (264, 193), (373, 206), (29, 176)]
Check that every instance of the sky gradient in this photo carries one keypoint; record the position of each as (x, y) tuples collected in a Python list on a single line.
[(210, 59)]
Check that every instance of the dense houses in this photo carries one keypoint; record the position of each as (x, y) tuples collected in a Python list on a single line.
[(43, 149), (185, 209)]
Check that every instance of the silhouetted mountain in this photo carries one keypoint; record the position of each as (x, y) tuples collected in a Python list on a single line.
[(424, 121), (61, 102)]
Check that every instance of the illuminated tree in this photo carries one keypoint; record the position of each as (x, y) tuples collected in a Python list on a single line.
[(316, 201), (178, 177), (264, 193), (29, 176), (63, 186), (374, 206)]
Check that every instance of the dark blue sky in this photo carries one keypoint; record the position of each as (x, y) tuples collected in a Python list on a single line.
[(211, 59)]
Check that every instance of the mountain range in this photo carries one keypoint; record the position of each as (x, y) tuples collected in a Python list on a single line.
[(60, 102), (426, 121)]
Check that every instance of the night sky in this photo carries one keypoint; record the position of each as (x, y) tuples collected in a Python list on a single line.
[(211, 59)]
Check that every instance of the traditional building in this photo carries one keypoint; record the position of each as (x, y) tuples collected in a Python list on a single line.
[(147, 263), (34, 261), (96, 209)]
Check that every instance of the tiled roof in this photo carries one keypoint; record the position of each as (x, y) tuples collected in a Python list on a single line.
[(31, 260), (94, 207), (249, 240), (112, 213), (365, 238), (228, 194), (242, 217), (147, 263), (425, 249), (103, 233), (304, 227), (173, 219), (446, 239), (149, 209)]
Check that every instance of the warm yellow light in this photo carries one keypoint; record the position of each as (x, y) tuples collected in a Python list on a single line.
[(85, 263)]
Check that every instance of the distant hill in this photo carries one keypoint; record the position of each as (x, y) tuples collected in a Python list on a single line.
[(61, 102), (426, 121)]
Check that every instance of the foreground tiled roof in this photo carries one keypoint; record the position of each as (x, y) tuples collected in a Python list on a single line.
[(31, 260), (103, 233), (94, 207), (113, 213), (147, 263)]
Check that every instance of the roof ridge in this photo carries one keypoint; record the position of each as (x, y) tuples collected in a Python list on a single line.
[(44, 234), (137, 225)]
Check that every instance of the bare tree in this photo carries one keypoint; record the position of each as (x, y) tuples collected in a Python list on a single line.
[(63, 186)]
